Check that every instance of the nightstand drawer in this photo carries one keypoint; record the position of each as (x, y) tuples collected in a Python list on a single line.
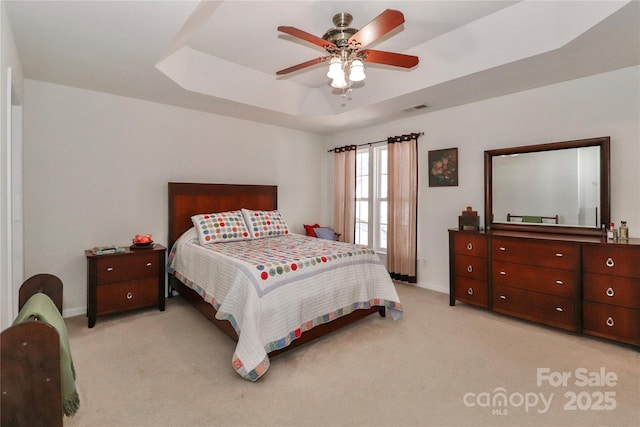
[(116, 268), (127, 295)]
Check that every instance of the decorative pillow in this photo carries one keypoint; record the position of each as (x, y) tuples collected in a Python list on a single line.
[(309, 229), (220, 227), (325, 233), (265, 223)]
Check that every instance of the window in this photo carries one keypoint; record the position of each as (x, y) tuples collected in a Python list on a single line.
[(371, 197)]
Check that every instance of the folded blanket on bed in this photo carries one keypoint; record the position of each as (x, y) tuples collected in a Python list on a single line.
[(41, 307)]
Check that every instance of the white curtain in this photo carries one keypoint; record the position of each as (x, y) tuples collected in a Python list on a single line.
[(344, 192), (403, 204)]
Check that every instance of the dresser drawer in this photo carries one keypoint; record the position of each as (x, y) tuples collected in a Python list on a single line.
[(471, 267), (614, 290), (472, 244), (472, 291), (127, 295), (542, 308), (539, 279), (114, 268), (618, 260), (604, 320), (527, 251)]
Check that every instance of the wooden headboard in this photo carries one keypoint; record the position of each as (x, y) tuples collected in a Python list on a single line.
[(188, 199)]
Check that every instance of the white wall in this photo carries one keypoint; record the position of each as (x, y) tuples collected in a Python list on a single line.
[(96, 169), (601, 105), (96, 165), (11, 92)]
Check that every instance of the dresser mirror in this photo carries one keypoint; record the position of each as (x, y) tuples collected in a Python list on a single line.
[(560, 187)]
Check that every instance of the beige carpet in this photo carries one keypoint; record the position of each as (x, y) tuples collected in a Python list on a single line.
[(437, 366)]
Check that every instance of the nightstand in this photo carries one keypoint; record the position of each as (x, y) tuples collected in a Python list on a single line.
[(125, 281)]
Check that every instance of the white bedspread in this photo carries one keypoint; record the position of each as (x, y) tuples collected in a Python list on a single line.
[(273, 289)]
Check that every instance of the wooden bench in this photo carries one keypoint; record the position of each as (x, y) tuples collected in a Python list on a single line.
[(30, 364)]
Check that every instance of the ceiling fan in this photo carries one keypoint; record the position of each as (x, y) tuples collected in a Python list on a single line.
[(345, 47)]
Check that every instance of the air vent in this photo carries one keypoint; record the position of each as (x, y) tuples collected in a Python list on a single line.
[(414, 108)]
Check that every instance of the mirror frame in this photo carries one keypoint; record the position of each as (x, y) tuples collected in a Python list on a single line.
[(605, 186)]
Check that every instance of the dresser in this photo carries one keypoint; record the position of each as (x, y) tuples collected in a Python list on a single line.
[(576, 283), (125, 281)]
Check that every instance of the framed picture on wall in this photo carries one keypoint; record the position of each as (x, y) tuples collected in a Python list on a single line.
[(443, 168)]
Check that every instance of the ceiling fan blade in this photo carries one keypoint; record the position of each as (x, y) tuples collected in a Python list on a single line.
[(389, 58), (292, 31), (381, 25), (303, 65)]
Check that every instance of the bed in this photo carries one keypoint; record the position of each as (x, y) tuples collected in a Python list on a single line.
[(264, 313)]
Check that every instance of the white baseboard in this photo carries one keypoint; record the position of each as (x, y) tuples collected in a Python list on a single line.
[(72, 312), (433, 287)]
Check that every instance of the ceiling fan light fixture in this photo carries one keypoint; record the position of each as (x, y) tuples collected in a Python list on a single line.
[(335, 68), (356, 73), (339, 82)]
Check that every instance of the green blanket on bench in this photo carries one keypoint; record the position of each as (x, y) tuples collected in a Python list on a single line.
[(41, 307), (535, 219)]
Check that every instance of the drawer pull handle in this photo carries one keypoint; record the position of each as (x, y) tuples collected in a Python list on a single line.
[(502, 248), (610, 262), (559, 309), (129, 295), (610, 321), (503, 273), (148, 264), (559, 282), (610, 292), (470, 269), (559, 254), (470, 291), (503, 297), (109, 268), (469, 246)]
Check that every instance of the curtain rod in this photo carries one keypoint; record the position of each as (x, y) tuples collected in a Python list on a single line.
[(376, 142)]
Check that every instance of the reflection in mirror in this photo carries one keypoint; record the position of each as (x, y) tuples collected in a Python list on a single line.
[(560, 187)]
